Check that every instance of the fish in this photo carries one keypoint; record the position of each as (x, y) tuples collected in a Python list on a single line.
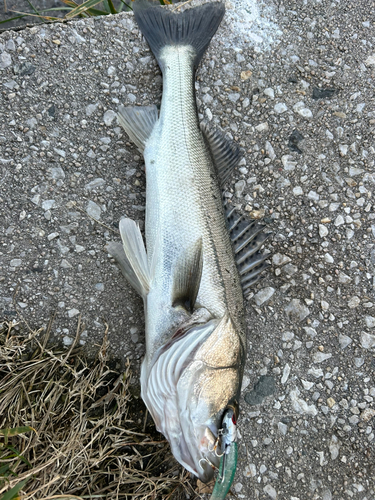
[(200, 256)]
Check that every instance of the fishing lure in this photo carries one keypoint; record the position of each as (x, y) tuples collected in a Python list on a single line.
[(226, 442)]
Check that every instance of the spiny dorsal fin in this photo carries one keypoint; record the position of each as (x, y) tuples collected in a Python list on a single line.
[(247, 238), (226, 154), (138, 123), (131, 256), (188, 277)]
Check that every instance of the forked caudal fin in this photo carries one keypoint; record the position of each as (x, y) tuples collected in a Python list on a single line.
[(162, 28)]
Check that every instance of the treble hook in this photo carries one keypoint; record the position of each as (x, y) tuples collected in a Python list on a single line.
[(216, 445), (205, 459)]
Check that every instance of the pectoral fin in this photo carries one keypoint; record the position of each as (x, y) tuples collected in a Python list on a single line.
[(131, 256), (188, 277)]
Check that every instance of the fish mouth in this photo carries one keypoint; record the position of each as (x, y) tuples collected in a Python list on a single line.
[(199, 459)]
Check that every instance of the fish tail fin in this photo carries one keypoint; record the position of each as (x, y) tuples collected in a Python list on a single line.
[(194, 27)]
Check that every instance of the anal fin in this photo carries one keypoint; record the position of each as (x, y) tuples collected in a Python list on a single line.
[(188, 277), (247, 238), (131, 256), (138, 123)]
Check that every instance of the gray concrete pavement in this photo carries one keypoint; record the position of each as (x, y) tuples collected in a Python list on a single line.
[(293, 83)]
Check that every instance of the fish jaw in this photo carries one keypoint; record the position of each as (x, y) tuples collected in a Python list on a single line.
[(201, 413), (188, 386)]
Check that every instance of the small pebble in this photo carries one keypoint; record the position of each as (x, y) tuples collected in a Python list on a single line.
[(279, 259), (108, 117), (339, 221), (287, 336), (367, 340), (370, 321), (296, 310), (283, 428), (344, 341), (301, 109), (300, 405), (307, 385), (73, 312), (93, 210), (280, 108), (48, 204), (95, 184), (269, 92), (250, 470), (344, 278), (263, 295), (354, 302), (262, 127), (334, 447), (15, 262), (286, 373), (323, 231), (67, 341), (319, 357), (331, 402), (52, 236), (91, 108), (328, 258)]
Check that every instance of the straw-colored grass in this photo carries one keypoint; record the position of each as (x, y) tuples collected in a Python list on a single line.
[(70, 429)]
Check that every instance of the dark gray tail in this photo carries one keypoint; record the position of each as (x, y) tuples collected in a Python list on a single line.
[(193, 27)]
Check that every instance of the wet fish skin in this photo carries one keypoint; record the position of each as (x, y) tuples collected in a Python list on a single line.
[(195, 334)]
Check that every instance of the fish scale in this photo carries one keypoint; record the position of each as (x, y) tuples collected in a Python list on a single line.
[(184, 199)]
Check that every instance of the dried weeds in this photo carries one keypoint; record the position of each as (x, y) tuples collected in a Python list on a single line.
[(82, 439)]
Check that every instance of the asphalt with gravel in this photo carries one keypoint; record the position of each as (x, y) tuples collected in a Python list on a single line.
[(294, 86)]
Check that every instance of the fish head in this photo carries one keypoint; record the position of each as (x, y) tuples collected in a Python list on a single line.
[(189, 389), (207, 388)]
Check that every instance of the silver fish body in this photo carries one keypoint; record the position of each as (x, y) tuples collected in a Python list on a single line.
[(184, 205), (195, 335)]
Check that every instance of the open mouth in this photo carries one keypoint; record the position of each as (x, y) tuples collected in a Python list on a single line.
[(201, 460)]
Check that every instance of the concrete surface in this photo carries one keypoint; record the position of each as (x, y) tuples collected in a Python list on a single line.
[(309, 430)]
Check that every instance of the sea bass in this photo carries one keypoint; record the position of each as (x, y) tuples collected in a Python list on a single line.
[(188, 277)]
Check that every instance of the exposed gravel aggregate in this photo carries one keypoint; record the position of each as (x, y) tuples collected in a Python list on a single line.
[(302, 108)]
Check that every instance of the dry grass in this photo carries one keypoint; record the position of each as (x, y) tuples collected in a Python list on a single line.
[(84, 442)]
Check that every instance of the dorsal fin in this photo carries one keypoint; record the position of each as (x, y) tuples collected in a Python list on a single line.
[(188, 277), (226, 154), (138, 123), (247, 238)]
